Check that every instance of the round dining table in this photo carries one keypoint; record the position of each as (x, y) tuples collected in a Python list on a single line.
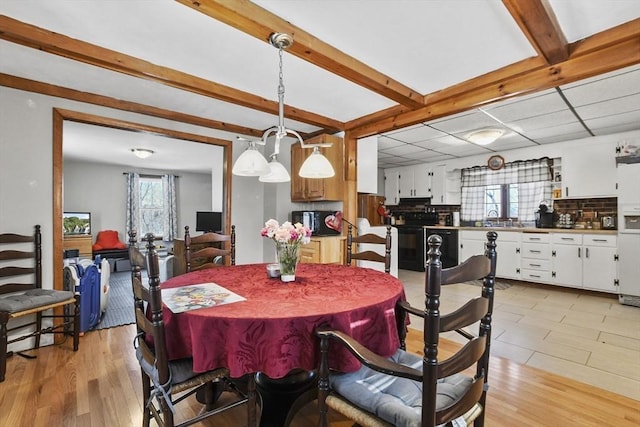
[(272, 330)]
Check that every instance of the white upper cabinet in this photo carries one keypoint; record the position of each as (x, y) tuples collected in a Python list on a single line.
[(415, 181), (589, 170), (392, 186), (445, 186), (368, 165)]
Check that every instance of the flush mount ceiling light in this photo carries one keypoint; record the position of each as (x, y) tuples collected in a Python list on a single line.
[(274, 170), (142, 153), (484, 136)]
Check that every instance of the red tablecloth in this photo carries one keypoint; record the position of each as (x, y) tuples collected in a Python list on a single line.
[(272, 331)]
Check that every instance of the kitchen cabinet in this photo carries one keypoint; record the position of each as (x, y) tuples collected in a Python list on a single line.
[(585, 261), (415, 181), (323, 250), (535, 258), (392, 186), (567, 259), (445, 186), (589, 171), (471, 243), (309, 189), (599, 265), (368, 208), (509, 255)]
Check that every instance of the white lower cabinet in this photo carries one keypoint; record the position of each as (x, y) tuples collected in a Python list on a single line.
[(585, 261), (509, 259), (567, 256), (471, 243), (535, 258), (599, 265)]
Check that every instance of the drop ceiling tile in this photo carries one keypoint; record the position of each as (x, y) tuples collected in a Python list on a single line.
[(384, 143), (506, 144), (444, 141), (404, 150), (612, 107), (414, 133), (529, 126), (560, 130), (603, 88), (627, 119), (465, 123), (466, 150), (532, 106)]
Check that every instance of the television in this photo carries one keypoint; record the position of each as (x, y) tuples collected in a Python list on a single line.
[(209, 221), (76, 223)]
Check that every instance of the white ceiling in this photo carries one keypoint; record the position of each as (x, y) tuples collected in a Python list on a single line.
[(427, 45)]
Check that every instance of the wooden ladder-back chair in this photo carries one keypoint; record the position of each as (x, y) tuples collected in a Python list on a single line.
[(215, 246), (21, 294), (405, 389), (166, 382), (369, 255)]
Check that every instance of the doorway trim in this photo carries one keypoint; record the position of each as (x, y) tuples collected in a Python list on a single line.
[(60, 115)]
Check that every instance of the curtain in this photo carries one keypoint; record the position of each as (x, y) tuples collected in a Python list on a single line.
[(170, 223), (133, 203), (533, 178)]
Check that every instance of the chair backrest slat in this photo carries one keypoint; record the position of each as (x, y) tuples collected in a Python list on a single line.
[(26, 272), (210, 251), (368, 255)]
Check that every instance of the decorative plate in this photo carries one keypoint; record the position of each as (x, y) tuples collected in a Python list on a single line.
[(495, 162)]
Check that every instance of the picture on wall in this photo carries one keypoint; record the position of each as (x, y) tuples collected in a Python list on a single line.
[(76, 223)]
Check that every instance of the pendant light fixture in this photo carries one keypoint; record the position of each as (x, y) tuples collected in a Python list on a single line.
[(274, 171)]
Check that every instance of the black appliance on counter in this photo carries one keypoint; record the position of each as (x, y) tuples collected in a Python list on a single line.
[(411, 239), (321, 223)]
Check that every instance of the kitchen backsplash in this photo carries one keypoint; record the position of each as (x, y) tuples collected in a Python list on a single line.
[(588, 207)]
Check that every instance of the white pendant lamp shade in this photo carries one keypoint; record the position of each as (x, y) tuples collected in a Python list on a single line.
[(278, 173), (316, 166), (251, 163)]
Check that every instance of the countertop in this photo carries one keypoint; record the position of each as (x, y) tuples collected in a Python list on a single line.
[(529, 229)]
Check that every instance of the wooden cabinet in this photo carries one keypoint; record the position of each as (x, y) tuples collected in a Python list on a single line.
[(368, 208), (308, 189), (81, 242), (323, 250)]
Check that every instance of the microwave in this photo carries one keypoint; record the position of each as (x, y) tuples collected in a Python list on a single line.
[(321, 223)]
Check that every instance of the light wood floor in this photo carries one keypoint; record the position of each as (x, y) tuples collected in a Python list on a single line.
[(100, 386)]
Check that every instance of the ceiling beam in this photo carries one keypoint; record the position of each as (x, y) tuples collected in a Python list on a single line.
[(603, 52), (119, 104), (38, 38), (251, 19), (538, 22)]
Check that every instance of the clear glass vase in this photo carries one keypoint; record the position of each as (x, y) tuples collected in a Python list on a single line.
[(288, 259)]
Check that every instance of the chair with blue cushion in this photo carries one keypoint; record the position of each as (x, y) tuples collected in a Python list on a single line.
[(166, 382), (413, 391), (22, 295)]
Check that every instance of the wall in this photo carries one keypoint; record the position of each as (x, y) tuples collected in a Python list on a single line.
[(101, 190), (26, 169)]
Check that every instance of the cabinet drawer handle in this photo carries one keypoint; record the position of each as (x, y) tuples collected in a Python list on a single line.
[(534, 265), (534, 275), (534, 238), (600, 240), (567, 238), (534, 251)]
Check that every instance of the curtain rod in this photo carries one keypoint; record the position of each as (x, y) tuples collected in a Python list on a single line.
[(144, 175)]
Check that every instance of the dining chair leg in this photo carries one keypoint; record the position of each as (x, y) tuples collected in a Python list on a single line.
[(252, 419), (4, 318)]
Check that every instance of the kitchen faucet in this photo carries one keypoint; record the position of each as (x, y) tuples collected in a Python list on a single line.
[(495, 211)]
